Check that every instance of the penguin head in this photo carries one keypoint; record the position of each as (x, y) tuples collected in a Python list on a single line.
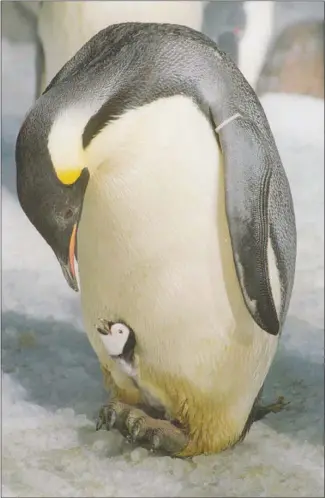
[(50, 194), (115, 336)]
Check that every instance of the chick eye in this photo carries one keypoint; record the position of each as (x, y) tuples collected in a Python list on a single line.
[(120, 331)]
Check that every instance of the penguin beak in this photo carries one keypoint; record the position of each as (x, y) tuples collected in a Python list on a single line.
[(68, 267), (72, 249)]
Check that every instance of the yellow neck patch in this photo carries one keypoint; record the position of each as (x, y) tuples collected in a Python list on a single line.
[(68, 176)]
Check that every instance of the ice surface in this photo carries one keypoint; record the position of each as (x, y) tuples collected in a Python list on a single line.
[(51, 382)]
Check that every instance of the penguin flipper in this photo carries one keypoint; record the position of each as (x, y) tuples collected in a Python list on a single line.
[(250, 167)]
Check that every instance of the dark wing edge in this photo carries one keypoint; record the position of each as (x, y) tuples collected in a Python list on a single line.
[(254, 177)]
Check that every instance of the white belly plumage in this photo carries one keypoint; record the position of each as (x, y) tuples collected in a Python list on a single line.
[(154, 250)]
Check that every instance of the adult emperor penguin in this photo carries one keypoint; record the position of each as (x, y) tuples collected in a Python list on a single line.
[(150, 145)]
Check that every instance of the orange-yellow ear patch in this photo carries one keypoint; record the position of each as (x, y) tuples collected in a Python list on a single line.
[(68, 176)]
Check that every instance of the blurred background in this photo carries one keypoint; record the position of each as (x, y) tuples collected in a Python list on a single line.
[(283, 35), (50, 376)]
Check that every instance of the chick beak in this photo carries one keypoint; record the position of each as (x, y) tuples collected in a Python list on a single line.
[(106, 329)]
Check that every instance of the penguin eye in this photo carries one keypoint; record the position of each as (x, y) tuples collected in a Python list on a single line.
[(68, 214)]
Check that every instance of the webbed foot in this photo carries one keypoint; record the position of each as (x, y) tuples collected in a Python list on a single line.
[(138, 427), (261, 411)]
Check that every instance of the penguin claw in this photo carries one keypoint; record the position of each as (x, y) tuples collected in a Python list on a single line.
[(135, 430), (107, 417), (281, 402), (155, 443), (111, 419)]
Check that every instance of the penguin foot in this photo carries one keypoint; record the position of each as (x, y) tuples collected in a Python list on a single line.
[(262, 411), (159, 435), (138, 427)]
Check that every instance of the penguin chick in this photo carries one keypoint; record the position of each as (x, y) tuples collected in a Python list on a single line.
[(119, 341)]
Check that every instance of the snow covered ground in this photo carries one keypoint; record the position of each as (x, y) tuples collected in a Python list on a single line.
[(51, 382)]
